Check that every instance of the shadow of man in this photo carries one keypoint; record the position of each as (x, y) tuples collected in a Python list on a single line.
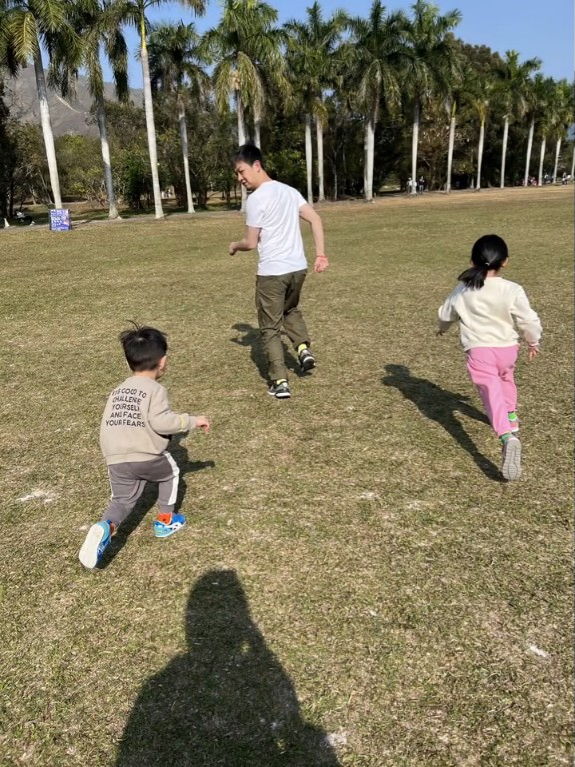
[(150, 495), (226, 702), (440, 405), (252, 338)]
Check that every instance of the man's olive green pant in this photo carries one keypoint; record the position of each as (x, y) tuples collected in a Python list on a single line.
[(277, 299)]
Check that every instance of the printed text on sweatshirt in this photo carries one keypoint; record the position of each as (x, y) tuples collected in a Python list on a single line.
[(138, 422)]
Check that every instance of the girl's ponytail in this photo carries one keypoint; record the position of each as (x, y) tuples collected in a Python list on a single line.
[(489, 253), (474, 277)]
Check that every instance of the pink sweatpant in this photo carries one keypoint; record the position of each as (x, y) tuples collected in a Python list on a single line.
[(491, 370)]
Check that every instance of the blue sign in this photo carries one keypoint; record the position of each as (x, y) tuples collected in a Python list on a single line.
[(60, 220)]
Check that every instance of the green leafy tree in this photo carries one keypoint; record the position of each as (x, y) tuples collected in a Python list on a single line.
[(433, 67), (245, 45), (513, 86), (177, 68), (97, 23), (562, 118), (134, 12), (380, 54), (313, 62), (27, 26)]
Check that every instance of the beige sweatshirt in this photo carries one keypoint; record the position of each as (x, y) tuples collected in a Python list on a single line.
[(137, 421), (487, 316)]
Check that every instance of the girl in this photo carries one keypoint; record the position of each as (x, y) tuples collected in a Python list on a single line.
[(486, 306)]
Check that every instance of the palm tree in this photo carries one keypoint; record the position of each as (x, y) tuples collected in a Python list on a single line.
[(380, 54), (562, 118), (514, 80), (176, 66), (27, 27), (97, 23), (479, 96), (245, 45), (460, 91), (546, 119), (134, 12), (312, 50), (434, 61), (536, 101)]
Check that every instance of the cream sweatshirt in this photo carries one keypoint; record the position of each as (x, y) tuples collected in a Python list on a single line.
[(137, 421), (487, 315)]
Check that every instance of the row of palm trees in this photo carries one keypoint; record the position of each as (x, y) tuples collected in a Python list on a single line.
[(387, 62)]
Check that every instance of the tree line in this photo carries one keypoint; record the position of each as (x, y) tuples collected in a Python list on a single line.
[(388, 96)]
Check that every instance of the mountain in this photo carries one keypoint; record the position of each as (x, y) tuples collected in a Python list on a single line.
[(70, 115)]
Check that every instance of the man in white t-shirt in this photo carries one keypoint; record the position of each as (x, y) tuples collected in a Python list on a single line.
[(273, 214)]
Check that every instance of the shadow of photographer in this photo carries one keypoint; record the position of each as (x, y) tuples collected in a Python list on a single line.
[(226, 701)]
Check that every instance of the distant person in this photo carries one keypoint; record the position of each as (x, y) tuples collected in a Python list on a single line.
[(273, 216), (134, 434), (487, 307), (421, 185)]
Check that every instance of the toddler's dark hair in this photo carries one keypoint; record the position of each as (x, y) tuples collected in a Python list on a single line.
[(248, 153), (144, 347), (489, 252)]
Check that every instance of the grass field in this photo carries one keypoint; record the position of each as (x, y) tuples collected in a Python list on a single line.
[(356, 585)]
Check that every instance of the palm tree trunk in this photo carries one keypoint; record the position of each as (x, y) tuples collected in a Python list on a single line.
[(450, 149), (414, 146), (480, 152), (105, 149), (150, 125), (308, 159), (258, 130), (365, 161), (529, 148), (47, 128), (557, 151), (504, 152), (541, 160), (319, 139), (184, 140), (241, 140), (370, 153)]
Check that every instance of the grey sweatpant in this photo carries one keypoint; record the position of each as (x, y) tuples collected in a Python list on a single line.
[(128, 480)]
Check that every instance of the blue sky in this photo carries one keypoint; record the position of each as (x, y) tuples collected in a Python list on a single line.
[(533, 27)]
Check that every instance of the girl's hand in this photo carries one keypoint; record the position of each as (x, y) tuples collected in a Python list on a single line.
[(533, 352)]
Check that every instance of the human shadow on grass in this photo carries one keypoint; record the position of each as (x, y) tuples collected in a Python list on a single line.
[(441, 405), (252, 337), (226, 701), (149, 497)]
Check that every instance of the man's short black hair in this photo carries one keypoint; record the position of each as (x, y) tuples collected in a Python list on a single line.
[(248, 153), (144, 347)]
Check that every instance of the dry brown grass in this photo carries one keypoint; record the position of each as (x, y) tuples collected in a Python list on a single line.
[(352, 564)]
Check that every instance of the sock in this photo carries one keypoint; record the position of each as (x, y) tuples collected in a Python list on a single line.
[(165, 517), (280, 381), (505, 437), (301, 347)]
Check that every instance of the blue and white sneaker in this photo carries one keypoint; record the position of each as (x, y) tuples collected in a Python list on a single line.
[(168, 524), (96, 543)]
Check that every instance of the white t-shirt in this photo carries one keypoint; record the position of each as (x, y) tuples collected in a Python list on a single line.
[(487, 315), (274, 208)]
